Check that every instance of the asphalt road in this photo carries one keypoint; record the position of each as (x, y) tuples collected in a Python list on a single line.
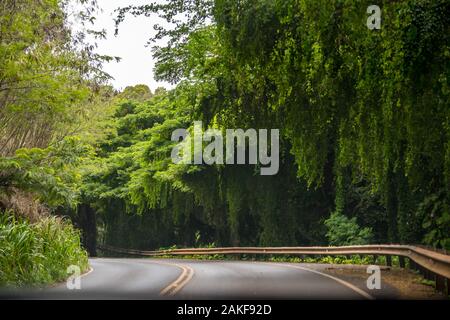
[(112, 278)]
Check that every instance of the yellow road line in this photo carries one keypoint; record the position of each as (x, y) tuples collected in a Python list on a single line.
[(187, 274), (174, 287)]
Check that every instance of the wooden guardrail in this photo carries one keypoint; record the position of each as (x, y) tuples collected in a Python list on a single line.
[(431, 264)]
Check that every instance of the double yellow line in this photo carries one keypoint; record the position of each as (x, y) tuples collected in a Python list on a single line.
[(174, 287)]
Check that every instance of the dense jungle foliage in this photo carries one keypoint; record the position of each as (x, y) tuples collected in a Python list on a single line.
[(48, 78), (364, 120), (363, 114)]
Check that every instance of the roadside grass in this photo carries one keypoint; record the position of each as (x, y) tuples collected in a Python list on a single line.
[(33, 254)]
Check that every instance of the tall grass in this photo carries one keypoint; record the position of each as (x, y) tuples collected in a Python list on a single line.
[(37, 253)]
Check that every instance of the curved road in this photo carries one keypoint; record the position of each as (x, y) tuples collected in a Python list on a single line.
[(141, 278)]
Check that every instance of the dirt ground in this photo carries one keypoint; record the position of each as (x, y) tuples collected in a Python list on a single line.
[(397, 283)]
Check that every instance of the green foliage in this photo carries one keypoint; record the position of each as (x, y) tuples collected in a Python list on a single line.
[(343, 231), (36, 254), (139, 92), (365, 260), (51, 89), (436, 220), (46, 70), (52, 173), (363, 116), (134, 173)]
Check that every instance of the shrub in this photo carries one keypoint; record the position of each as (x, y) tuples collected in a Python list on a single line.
[(37, 253), (344, 231)]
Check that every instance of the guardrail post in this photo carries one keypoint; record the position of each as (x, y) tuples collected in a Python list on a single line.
[(420, 269), (440, 283), (428, 274), (412, 265), (389, 261), (375, 259), (448, 286), (401, 261)]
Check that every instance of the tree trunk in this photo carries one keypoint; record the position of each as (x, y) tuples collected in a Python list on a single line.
[(88, 225)]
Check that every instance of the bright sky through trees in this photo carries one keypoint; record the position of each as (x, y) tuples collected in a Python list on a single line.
[(136, 66)]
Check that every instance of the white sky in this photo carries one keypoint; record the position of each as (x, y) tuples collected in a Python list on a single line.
[(136, 66)]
